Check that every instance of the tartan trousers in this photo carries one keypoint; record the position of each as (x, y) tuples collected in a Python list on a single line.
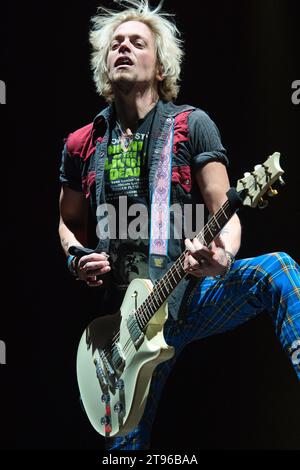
[(269, 282)]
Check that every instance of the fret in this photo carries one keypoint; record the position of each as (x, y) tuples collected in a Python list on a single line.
[(201, 238), (164, 286), (176, 273), (171, 272), (146, 307), (179, 267), (216, 222), (158, 294), (146, 318), (213, 226), (222, 209), (223, 221), (226, 210), (147, 315), (154, 301), (207, 239), (139, 315), (142, 322), (211, 233), (181, 260)]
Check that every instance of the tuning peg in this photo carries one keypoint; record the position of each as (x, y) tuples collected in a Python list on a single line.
[(281, 181), (257, 167), (263, 203), (272, 192)]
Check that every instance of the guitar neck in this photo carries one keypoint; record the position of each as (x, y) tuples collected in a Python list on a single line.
[(166, 285)]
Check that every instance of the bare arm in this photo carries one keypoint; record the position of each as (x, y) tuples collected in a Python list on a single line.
[(214, 183), (73, 218), (73, 231)]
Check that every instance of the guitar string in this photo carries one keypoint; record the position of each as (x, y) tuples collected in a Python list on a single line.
[(145, 316), (167, 277), (129, 344), (144, 311), (169, 274)]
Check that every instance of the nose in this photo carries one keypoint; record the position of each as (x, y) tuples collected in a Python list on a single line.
[(124, 46)]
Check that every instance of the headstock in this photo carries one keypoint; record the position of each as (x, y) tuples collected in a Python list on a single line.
[(256, 184)]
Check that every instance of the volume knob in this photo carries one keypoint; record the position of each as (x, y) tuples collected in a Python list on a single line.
[(120, 384), (105, 420), (118, 408), (105, 398)]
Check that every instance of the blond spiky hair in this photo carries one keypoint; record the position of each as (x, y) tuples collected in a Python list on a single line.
[(166, 35)]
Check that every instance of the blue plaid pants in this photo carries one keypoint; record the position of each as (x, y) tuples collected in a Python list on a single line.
[(269, 282)]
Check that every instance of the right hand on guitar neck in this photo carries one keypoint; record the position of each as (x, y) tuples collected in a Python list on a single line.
[(90, 267)]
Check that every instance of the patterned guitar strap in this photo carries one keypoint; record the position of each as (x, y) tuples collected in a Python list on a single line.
[(160, 201)]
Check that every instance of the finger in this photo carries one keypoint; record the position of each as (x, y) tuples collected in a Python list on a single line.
[(93, 257), (217, 243), (198, 246), (186, 262), (198, 249), (98, 272), (204, 253), (93, 281), (97, 283), (196, 268), (198, 274), (191, 264), (191, 246), (93, 265)]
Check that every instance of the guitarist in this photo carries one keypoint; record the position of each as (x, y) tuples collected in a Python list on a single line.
[(136, 65)]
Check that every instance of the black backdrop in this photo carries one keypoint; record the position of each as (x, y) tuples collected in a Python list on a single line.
[(232, 391)]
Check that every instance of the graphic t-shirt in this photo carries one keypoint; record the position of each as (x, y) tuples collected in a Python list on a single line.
[(126, 183)]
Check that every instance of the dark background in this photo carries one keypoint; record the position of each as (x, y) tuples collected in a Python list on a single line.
[(232, 391)]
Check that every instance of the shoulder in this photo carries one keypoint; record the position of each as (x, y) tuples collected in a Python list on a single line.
[(76, 141), (171, 109), (188, 116), (82, 142), (199, 114)]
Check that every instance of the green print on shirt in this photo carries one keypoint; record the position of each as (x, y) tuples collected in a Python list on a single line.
[(124, 165)]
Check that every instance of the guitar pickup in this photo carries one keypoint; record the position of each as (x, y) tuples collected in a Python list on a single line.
[(101, 376), (135, 332), (118, 358)]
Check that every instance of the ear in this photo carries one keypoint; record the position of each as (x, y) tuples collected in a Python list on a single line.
[(159, 73)]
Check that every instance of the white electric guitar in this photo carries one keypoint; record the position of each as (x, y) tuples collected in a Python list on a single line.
[(118, 353)]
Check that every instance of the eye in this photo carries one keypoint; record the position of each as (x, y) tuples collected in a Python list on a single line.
[(139, 43), (114, 45)]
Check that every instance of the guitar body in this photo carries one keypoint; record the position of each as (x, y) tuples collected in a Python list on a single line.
[(115, 363)]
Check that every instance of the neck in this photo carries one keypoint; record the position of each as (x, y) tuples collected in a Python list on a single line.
[(134, 106)]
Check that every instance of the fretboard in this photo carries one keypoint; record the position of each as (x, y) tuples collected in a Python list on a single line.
[(166, 285)]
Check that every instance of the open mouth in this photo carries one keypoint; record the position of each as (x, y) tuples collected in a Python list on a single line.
[(123, 61)]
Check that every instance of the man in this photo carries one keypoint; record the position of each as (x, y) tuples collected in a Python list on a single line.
[(136, 63)]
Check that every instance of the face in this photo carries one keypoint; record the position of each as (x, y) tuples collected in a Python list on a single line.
[(132, 57)]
